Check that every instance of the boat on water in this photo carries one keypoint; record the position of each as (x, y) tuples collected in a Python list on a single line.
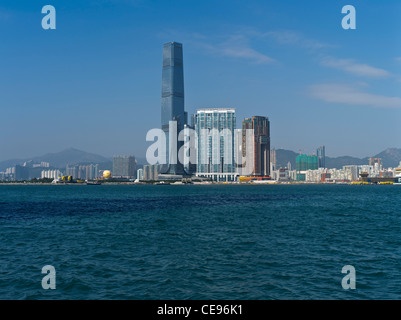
[(398, 175), (163, 183), (93, 183)]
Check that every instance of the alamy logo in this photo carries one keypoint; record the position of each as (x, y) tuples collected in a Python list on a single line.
[(349, 281), (49, 20), (183, 147), (49, 281), (349, 21)]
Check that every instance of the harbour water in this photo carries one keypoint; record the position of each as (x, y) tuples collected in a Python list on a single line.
[(200, 242)]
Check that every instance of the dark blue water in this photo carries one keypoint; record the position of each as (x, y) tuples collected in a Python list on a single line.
[(200, 242)]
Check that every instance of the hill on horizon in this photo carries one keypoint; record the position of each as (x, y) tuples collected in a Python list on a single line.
[(70, 156), (391, 157)]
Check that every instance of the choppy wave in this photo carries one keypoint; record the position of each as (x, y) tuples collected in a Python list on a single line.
[(200, 242)]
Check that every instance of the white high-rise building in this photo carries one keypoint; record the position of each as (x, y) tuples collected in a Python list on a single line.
[(215, 144), (139, 174), (51, 174)]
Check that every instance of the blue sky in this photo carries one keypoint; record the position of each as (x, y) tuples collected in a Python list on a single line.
[(94, 83)]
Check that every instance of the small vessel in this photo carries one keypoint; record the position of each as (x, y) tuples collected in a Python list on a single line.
[(397, 175), (93, 183), (163, 183)]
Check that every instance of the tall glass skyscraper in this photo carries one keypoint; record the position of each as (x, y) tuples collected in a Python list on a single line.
[(321, 154), (261, 144), (172, 108)]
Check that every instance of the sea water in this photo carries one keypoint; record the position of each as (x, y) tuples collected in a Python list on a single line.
[(200, 241)]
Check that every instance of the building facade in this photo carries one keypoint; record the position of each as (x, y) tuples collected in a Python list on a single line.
[(51, 174), (261, 144), (304, 163), (273, 160), (376, 162), (86, 172), (151, 172), (321, 155), (139, 174), (124, 167), (215, 150), (172, 105)]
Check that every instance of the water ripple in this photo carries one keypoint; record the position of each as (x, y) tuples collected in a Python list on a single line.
[(200, 242)]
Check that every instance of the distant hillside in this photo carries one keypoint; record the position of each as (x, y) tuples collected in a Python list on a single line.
[(10, 163), (391, 157), (70, 156), (284, 156), (339, 162), (59, 159)]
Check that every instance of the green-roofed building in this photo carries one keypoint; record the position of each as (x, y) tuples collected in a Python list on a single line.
[(305, 162)]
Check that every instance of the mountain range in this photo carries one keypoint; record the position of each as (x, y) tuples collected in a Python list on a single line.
[(60, 159), (391, 157)]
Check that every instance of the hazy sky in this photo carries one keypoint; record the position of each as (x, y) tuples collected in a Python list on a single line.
[(94, 83)]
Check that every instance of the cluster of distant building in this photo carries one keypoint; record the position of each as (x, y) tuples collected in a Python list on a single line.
[(27, 171), (83, 172), (30, 170), (312, 169), (123, 167), (308, 169)]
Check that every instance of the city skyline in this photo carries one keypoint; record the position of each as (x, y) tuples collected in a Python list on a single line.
[(317, 83)]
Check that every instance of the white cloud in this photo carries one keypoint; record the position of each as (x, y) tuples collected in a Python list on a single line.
[(237, 46), (294, 38), (339, 93), (355, 68), (239, 43), (247, 53)]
